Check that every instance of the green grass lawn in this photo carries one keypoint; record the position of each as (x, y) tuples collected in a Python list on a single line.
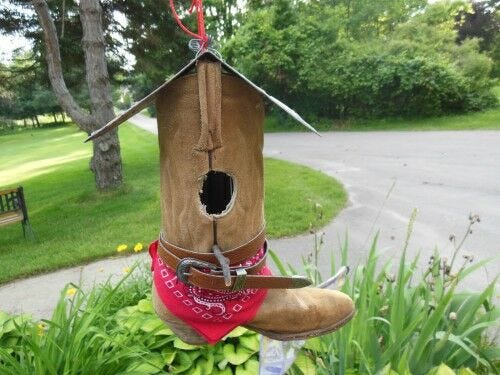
[(75, 224), (486, 120)]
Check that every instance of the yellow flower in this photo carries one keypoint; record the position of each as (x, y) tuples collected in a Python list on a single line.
[(138, 247), (121, 248), (70, 292), (126, 269), (41, 327)]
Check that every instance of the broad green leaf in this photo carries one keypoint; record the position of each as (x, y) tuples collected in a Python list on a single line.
[(225, 371), (126, 312), (250, 342), (467, 317), (145, 306), (238, 355), (237, 332), (168, 355), (305, 364), (151, 324), (222, 364), (165, 331), (181, 363), (204, 365), (250, 367), (151, 364), (442, 369), (387, 370), (179, 344), (314, 344), (194, 354), (466, 371)]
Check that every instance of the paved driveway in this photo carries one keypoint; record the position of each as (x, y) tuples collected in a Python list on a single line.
[(445, 175)]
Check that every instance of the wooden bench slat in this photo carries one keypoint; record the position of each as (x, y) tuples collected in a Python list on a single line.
[(13, 209), (11, 217), (8, 191)]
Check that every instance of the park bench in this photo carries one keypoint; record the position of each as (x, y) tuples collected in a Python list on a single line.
[(13, 209)]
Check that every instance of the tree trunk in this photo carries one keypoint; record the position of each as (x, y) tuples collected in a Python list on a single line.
[(55, 118), (37, 122), (63, 117), (106, 161)]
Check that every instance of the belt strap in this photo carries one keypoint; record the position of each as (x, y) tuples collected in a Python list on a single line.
[(236, 255), (195, 270)]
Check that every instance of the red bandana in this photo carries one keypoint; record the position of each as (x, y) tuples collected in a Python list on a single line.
[(213, 314)]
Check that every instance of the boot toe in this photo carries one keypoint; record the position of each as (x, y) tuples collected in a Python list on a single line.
[(306, 312), (341, 307)]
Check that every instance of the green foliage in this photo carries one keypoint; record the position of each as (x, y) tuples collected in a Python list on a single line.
[(22, 93), (114, 330), (406, 324), (327, 62), (17, 17), (483, 22)]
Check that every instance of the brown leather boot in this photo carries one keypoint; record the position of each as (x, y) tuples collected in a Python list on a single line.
[(307, 312), (210, 130), (210, 127)]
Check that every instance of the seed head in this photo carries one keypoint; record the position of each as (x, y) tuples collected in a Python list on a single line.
[(474, 218), (390, 277), (452, 316), (468, 257)]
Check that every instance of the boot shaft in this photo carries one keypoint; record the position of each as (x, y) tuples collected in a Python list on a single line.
[(210, 130)]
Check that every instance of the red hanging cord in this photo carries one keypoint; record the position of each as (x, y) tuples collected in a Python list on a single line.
[(196, 5)]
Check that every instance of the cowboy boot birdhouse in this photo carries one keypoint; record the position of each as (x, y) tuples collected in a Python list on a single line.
[(209, 263)]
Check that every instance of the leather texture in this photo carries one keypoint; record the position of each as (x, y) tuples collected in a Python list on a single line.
[(308, 312), (183, 166), (215, 280), (192, 142), (235, 255)]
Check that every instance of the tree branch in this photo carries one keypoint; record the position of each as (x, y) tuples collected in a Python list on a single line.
[(65, 99)]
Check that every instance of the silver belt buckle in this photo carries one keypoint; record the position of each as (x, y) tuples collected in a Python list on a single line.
[(186, 263), (240, 281)]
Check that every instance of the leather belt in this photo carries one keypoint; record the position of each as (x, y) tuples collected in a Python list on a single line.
[(204, 269), (236, 255)]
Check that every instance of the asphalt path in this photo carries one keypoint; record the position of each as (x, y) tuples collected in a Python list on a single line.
[(444, 175)]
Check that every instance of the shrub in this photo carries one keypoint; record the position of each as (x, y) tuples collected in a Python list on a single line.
[(415, 69)]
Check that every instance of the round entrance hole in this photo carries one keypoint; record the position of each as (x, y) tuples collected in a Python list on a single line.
[(217, 192)]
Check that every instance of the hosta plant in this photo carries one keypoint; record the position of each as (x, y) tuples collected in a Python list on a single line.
[(114, 330)]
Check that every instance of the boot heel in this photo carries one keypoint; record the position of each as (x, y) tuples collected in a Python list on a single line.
[(181, 330)]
